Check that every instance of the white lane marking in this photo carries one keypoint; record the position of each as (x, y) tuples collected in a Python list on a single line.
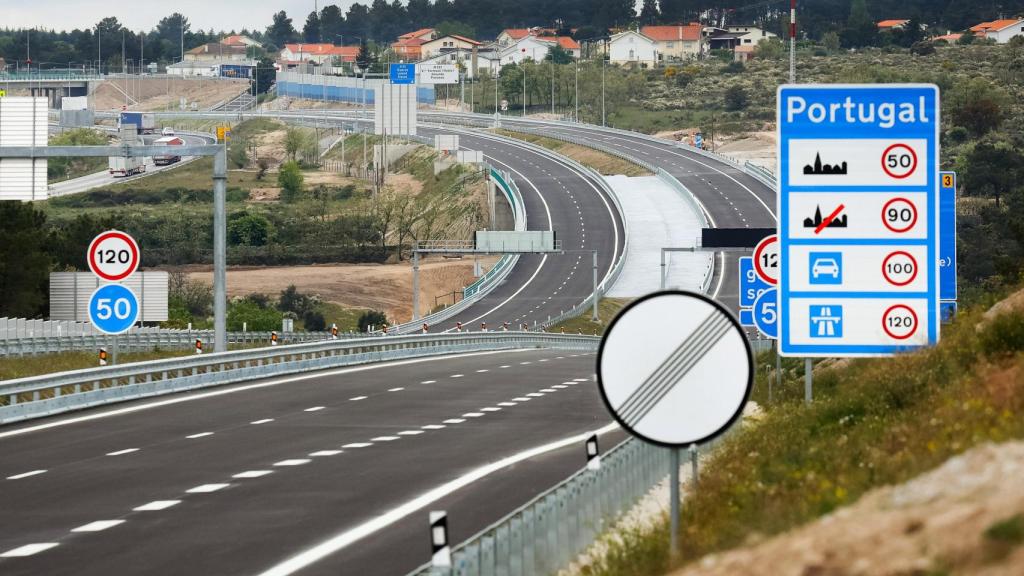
[(454, 421), (307, 557), (472, 414), (505, 366), (357, 398), (125, 451), (97, 526), (560, 357), (207, 488), (490, 409), (236, 389), (548, 390), (200, 435), (457, 375), (358, 445), (482, 371), (433, 426), (156, 505), (521, 399), (26, 474), (293, 462), (525, 363), (428, 381), (581, 379), (399, 389), (535, 394), (314, 409), (384, 438), (264, 421), (252, 473), (545, 359), (320, 453), (410, 432), (559, 386), (570, 382), (28, 550), (506, 404), (721, 275)]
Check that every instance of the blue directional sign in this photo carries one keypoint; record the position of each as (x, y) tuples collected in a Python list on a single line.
[(751, 285), (858, 210), (947, 236), (403, 73), (113, 308), (766, 313), (698, 140), (947, 311), (746, 317)]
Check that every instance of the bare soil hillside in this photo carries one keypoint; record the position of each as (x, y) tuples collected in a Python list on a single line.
[(148, 94)]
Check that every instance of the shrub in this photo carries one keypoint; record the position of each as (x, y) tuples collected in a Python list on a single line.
[(734, 67), (248, 229), (314, 321), (290, 179), (735, 98), (922, 48), (263, 165), (371, 318), (255, 317)]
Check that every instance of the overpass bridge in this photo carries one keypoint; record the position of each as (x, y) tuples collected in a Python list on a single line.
[(51, 84)]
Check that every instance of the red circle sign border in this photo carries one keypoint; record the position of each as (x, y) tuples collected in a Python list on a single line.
[(908, 309), (113, 234), (912, 155), (913, 208), (897, 253), (757, 252)]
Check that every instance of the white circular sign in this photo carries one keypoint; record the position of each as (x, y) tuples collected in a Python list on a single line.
[(766, 259), (113, 255), (899, 321), (899, 268), (675, 368)]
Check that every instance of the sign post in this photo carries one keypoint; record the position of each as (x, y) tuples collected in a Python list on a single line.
[(858, 219), (113, 308)]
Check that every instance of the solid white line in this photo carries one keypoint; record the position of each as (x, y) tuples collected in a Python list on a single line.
[(410, 432), (314, 409), (200, 435), (28, 550), (358, 445), (384, 438), (293, 462), (358, 398), (156, 505), (264, 421), (125, 451), (252, 473), (236, 389), (206, 488), (434, 426), (26, 474), (396, 389), (98, 526), (454, 421), (330, 546), (319, 453)]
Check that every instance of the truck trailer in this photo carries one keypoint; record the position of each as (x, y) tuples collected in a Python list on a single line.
[(165, 159), (145, 123), (121, 166)]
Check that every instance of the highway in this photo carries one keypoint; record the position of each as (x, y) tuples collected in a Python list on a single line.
[(239, 479)]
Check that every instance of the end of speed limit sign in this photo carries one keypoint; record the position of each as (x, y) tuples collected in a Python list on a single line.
[(113, 255)]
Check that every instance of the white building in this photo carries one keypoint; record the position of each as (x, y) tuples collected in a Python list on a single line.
[(536, 48), (213, 69), (999, 30), (446, 44), (749, 34), (632, 47)]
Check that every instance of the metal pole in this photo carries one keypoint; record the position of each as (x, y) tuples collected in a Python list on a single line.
[(415, 285), (113, 356), (792, 41), (778, 371), (673, 474), (602, 92), (662, 268), (808, 380), (576, 97), (596, 298), (524, 88), (552, 87), (220, 185), (693, 464)]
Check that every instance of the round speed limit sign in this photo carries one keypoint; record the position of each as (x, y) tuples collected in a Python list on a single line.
[(113, 255), (766, 259)]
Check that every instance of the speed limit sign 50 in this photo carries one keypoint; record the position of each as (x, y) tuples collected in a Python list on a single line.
[(113, 255)]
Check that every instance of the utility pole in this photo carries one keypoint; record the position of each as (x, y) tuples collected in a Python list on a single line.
[(524, 88), (792, 41), (603, 117), (124, 71), (552, 87), (181, 22), (576, 98), (594, 317)]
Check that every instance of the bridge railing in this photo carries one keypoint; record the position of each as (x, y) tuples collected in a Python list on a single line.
[(49, 394)]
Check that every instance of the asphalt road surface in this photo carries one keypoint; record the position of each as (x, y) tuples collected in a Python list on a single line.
[(237, 480)]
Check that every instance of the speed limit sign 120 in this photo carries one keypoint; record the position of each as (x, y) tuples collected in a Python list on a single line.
[(766, 259), (113, 256)]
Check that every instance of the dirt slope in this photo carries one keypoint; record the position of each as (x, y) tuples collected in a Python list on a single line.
[(165, 93)]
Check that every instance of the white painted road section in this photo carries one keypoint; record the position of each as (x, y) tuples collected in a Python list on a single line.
[(657, 217)]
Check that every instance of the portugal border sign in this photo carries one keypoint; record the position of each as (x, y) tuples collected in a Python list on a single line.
[(858, 219)]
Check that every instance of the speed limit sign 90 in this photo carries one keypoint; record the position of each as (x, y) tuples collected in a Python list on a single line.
[(113, 255)]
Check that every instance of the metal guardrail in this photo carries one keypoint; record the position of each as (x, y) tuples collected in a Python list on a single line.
[(49, 394), (143, 341), (548, 532)]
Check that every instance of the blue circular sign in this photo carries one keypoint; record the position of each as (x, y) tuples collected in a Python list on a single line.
[(113, 308), (766, 313)]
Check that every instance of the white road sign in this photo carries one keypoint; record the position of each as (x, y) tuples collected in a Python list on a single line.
[(113, 255), (859, 219), (675, 368), (766, 259), (23, 122), (438, 74)]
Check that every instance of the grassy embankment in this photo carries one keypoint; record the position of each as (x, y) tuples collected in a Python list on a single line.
[(603, 163), (60, 169), (873, 422)]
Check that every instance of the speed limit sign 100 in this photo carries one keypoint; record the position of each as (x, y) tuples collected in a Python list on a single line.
[(113, 255)]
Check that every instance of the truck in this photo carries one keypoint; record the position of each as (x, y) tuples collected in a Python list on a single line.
[(165, 159), (121, 166), (144, 123)]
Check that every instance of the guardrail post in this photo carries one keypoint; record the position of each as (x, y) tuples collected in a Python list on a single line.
[(516, 546), (529, 563)]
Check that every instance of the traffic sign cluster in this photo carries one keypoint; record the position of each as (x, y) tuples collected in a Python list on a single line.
[(113, 256)]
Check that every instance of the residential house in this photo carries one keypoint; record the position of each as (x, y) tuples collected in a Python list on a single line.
[(408, 46), (215, 51), (999, 30), (750, 34), (632, 47), (743, 53), (534, 48), (447, 43), (891, 25), (239, 40), (675, 42), (510, 36), (293, 54), (951, 38), (721, 39)]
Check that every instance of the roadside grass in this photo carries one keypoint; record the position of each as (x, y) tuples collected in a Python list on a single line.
[(60, 169), (873, 422), (607, 308), (603, 163), (24, 366)]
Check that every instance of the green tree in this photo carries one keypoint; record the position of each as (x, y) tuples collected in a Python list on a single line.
[(248, 229), (558, 55), (311, 29), (24, 260), (455, 28), (253, 316), (373, 318), (977, 105), (291, 180), (649, 12), (735, 98), (860, 29), (991, 171), (281, 31), (266, 75), (830, 40), (364, 60), (332, 23)]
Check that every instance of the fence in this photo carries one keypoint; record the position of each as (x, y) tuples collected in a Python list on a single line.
[(145, 339)]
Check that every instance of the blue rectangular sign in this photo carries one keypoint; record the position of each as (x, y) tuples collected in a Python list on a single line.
[(747, 317), (403, 73), (858, 210), (947, 236), (751, 285)]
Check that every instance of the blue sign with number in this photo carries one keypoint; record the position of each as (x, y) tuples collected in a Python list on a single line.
[(751, 285), (766, 313), (947, 236), (113, 308), (403, 73)]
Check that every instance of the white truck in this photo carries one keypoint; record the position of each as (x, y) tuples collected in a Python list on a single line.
[(165, 159), (121, 166)]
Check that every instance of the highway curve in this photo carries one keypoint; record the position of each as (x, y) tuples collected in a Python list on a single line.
[(239, 479)]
